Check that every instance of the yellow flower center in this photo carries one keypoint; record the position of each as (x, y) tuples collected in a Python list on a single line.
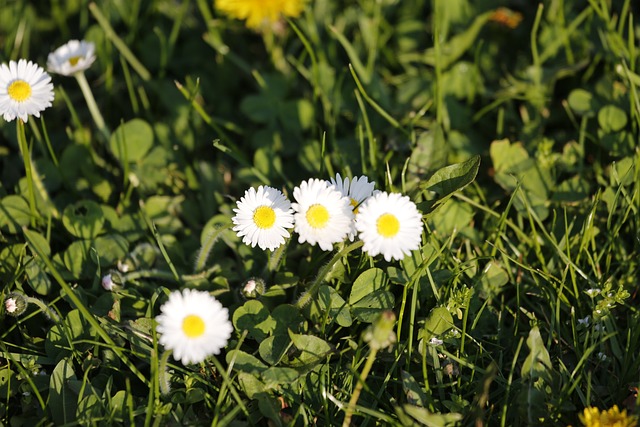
[(193, 326), (264, 217), (74, 60), (317, 216), (354, 203), (19, 90), (387, 225)]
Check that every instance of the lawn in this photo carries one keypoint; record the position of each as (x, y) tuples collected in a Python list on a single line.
[(329, 212)]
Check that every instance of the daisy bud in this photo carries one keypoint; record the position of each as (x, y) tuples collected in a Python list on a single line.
[(15, 304), (254, 287)]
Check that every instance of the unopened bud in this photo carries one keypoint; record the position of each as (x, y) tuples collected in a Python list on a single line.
[(254, 287), (15, 304)]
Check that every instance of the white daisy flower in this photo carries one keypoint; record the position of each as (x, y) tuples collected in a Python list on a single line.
[(322, 214), (262, 218), (71, 58), (194, 325), (389, 224), (25, 90), (357, 190)]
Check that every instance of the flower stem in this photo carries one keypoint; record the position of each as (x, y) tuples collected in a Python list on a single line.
[(26, 156), (91, 103), (356, 392), (306, 297), (163, 377), (47, 311)]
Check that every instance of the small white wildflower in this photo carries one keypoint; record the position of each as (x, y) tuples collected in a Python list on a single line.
[(107, 283), (436, 341), (592, 292), (601, 356), (584, 321)]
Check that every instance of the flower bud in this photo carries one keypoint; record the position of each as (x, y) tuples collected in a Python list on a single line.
[(381, 334), (15, 304), (254, 287)]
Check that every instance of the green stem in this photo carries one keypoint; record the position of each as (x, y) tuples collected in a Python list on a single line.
[(306, 297), (168, 275), (275, 257), (163, 377), (48, 141), (356, 392), (26, 157), (91, 103), (51, 314), (118, 42)]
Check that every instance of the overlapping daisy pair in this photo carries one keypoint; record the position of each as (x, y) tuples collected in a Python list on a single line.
[(329, 212)]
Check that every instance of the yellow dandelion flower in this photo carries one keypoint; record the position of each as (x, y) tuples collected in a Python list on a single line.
[(260, 12), (593, 417)]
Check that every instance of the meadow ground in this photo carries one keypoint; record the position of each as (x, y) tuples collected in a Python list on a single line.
[(173, 250)]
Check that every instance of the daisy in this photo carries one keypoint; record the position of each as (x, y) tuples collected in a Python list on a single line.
[(322, 214), (260, 12), (25, 90), (262, 218), (194, 325), (357, 190), (70, 58), (389, 224)]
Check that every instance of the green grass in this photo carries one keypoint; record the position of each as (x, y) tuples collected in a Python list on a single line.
[(519, 308)]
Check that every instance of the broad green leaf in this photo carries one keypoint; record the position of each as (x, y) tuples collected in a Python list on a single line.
[(14, 214), (254, 317), (8, 383), (131, 140), (62, 401), (581, 102), (276, 376), (38, 278), (245, 362), (369, 308), (273, 348), (452, 216), (328, 306), (450, 179), (492, 280), (538, 363), (438, 322), (287, 317), (430, 419), (83, 219), (612, 118), (367, 282), (416, 395), (250, 384), (91, 407), (311, 348)]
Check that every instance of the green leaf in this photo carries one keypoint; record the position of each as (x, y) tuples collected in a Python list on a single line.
[(438, 322), (581, 102), (14, 214), (416, 395), (430, 419), (274, 348), (450, 179), (254, 317), (274, 376), (492, 280), (538, 363), (250, 384), (368, 308), (245, 362), (62, 401), (131, 140), (83, 219), (612, 118), (329, 305), (312, 349), (38, 278), (367, 282)]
